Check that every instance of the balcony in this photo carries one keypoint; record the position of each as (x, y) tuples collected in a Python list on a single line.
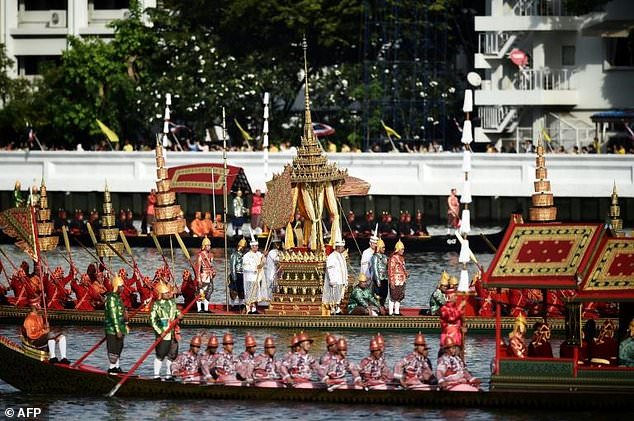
[(540, 8), (529, 15)]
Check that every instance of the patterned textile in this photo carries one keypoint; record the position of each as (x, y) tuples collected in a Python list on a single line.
[(413, 369), (301, 366), (338, 367), (397, 293), (451, 369), (397, 274), (114, 315), (451, 321), (207, 363), (266, 368), (436, 301), (186, 364), (161, 315), (226, 364), (373, 370)]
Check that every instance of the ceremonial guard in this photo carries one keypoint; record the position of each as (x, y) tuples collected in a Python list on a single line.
[(226, 363), (253, 267), (299, 368), (451, 319), (439, 296), (414, 372), (238, 213), (115, 322), (397, 276), (378, 265), (336, 279), (266, 370), (453, 211), (373, 371), (367, 253), (339, 366), (245, 360), (37, 333), (626, 348), (362, 300), (236, 284), (517, 346), (271, 270), (161, 316), (540, 343), (452, 373), (331, 350), (205, 273), (208, 359), (186, 366)]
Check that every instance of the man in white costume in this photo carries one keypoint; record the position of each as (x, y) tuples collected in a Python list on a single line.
[(336, 279), (271, 268), (253, 270), (367, 254)]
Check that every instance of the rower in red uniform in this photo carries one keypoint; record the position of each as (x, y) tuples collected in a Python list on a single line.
[(55, 286), (486, 297), (414, 371), (299, 368), (189, 289), (374, 373), (331, 350), (245, 360), (145, 287), (266, 369), (186, 367), (21, 287), (451, 319), (85, 293), (339, 367), (208, 359)]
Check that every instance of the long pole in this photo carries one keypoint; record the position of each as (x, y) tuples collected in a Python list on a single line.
[(171, 326), (224, 199)]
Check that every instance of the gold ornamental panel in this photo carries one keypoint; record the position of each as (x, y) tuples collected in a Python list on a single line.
[(108, 221), (165, 198), (107, 208), (541, 173), (45, 228), (163, 185), (104, 251), (44, 215), (48, 243), (542, 214), (168, 227), (542, 185), (107, 235), (167, 212), (542, 199), (161, 173)]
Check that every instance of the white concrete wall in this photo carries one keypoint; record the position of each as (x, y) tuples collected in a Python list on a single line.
[(389, 174)]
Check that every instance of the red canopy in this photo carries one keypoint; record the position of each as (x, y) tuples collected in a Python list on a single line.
[(207, 179), (542, 255)]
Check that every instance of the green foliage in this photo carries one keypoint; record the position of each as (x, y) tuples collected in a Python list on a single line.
[(581, 7)]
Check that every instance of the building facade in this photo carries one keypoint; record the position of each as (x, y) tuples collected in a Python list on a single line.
[(35, 31), (546, 71)]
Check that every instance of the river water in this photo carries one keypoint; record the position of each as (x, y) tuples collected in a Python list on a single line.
[(424, 268)]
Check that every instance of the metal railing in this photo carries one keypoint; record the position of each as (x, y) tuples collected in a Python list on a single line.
[(493, 116), (543, 79), (540, 8), (491, 43)]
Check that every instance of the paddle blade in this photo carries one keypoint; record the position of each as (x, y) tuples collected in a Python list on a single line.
[(180, 243), (92, 234), (66, 240), (156, 243), (124, 240)]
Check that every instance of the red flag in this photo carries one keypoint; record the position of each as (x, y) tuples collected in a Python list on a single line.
[(19, 223)]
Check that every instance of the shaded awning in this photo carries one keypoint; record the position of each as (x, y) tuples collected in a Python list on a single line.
[(613, 116), (353, 186), (542, 255), (207, 179), (610, 274)]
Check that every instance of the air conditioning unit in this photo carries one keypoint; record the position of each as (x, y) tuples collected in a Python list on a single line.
[(57, 19)]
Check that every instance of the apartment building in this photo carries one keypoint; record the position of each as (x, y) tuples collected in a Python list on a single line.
[(35, 31), (546, 71)]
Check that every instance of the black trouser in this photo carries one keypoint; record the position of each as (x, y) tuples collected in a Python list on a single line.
[(381, 291), (167, 348), (238, 285), (114, 346)]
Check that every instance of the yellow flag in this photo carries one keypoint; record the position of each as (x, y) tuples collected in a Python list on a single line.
[(390, 131), (546, 137), (112, 136), (245, 135)]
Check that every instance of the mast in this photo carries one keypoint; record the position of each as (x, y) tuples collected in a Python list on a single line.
[(224, 199)]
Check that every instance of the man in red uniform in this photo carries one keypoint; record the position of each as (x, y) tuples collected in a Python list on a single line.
[(86, 295), (604, 350), (397, 276), (55, 286), (37, 333), (205, 273), (373, 371), (451, 320), (414, 371)]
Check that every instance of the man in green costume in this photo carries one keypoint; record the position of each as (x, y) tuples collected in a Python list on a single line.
[(362, 300), (162, 314), (116, 319), (626, 349)]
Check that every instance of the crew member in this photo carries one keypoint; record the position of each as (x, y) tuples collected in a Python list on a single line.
[(331, 350), (336, 279), (206, 273), (208, 359), (115, 322), (414, 371), (540, 342), (439, 296), (253, 267), (186, 366), (162, 315), (266, 370), (378, 263), (339, 366), (453, 211), (362, 301), (238, 213), (367, 253), (517, 346), (373, 371), (226, 363), (236, 284), (452, 373), (299, 368), (37, 334), (271, 270), (397, 276)]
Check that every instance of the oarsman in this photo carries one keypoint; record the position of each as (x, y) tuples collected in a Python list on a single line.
[(206, 273), (236, 284), (163, 313), (397, 276), (266, 370), (145, 287), (253, 267), (225, 369), (367, 253), (37, 334), (271, 270), (86, 295), (414, 371), (55, 286), (439, 296), (293, 347), (331, 350), (452, 373), (186, 366), (208, 359), (218, 227), (245, 360), (339, 367), (115, 323), (336, 279), (374, 373), (22, 290), (209, 224), (298, 370), (378, 265), (189, 288)]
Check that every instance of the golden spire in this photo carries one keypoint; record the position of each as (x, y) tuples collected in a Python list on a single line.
[(308, 123), (616, 223), (543, 209)]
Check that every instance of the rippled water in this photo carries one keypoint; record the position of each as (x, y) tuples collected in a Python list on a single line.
[(424, 268)]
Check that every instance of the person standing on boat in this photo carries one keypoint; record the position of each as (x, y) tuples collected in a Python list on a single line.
[(366, 268), (517, 345), (339, 366), (439, 296), (373, 371), (336, 279), (206, 273), (36, 333), (208, 359), (414, 372), (299, 368), (271, 270), (362, 301), (238, 213), (626, 348), (378, 265), (161, 316), (236, 284), (453, 211), (452, 373), (397, 276), (226, 363), (115, 322), (186, 366), (256, 210), (253, 267), (452, 319), (149, 210)]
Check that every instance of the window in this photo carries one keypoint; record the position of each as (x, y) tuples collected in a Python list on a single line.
[(620, 51), (32, 65), (45, 5), (111, 4), (568, 55)]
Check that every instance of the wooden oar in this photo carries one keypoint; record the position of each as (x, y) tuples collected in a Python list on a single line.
[(93, 255), (160, 251), (92, 234), (171, 326)]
